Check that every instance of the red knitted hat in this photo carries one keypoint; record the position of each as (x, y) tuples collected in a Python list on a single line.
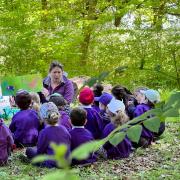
[(86, 96)]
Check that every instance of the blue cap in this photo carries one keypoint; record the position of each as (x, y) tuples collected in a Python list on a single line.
[(105, 98), (152, 95)]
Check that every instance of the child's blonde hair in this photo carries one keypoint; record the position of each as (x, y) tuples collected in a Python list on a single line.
[(35, 101), (120, 118)]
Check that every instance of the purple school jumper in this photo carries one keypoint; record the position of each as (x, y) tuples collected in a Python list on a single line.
[(65, 120), (80, 135), (6, 142), (24, 126), (94, 122), (55, 134), (105, 118), (96, 108), (141, 109), (66, 88), (122, 150)]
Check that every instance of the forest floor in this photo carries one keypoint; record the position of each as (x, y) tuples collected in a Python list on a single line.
[(160, 161)]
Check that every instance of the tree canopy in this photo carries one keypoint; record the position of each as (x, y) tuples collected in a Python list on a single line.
[(137, 40)]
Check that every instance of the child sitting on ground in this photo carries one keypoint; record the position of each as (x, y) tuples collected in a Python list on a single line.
[(25, 123), (60, 102), (80, 135), (6, 143), (35, 105), (116, 112), (104, 100), (94, 121), (147, 100), (52, 133)]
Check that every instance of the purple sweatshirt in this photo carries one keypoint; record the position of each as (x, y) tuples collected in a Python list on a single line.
[(141, 109), (6, 142), (122, 150), (80, 136), (105, 118), (24, 126), (66, 88), (55, 134), (95, 107), (65, 120), (94, 122)]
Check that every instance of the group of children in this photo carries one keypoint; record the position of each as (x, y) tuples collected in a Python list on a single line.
[(36, 125)]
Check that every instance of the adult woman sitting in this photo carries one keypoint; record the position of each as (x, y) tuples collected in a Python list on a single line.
[(57, 82)]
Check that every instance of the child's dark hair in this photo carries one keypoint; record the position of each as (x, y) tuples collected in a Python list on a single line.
[(121, 93), (59, 101), (78, 117), (23, 99), (98, 89), (55, 64)]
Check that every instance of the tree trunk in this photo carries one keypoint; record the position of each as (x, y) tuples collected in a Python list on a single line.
[(90, 8), (44, 16)]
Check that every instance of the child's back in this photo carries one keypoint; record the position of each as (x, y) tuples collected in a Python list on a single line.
[(94, 122), (80, 135), (6, 142), (116, 112), (24, 126), (55, 134), (122, 150)]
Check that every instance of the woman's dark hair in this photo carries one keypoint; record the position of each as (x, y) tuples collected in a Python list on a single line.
[(78, 117), (55, 64), (23, 99), (121, 93)]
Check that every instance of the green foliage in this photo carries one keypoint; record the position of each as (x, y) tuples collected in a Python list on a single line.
[(84, 150), (89, 38), (134, 133), (152, 124), (117, 138), (42, 158), (62, 175)]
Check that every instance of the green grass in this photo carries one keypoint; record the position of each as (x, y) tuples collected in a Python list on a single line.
[(160, 161)]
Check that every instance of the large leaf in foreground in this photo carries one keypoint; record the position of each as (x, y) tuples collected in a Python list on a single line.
[(83, 151), (134, 133), (117, 138), (152, 124)]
